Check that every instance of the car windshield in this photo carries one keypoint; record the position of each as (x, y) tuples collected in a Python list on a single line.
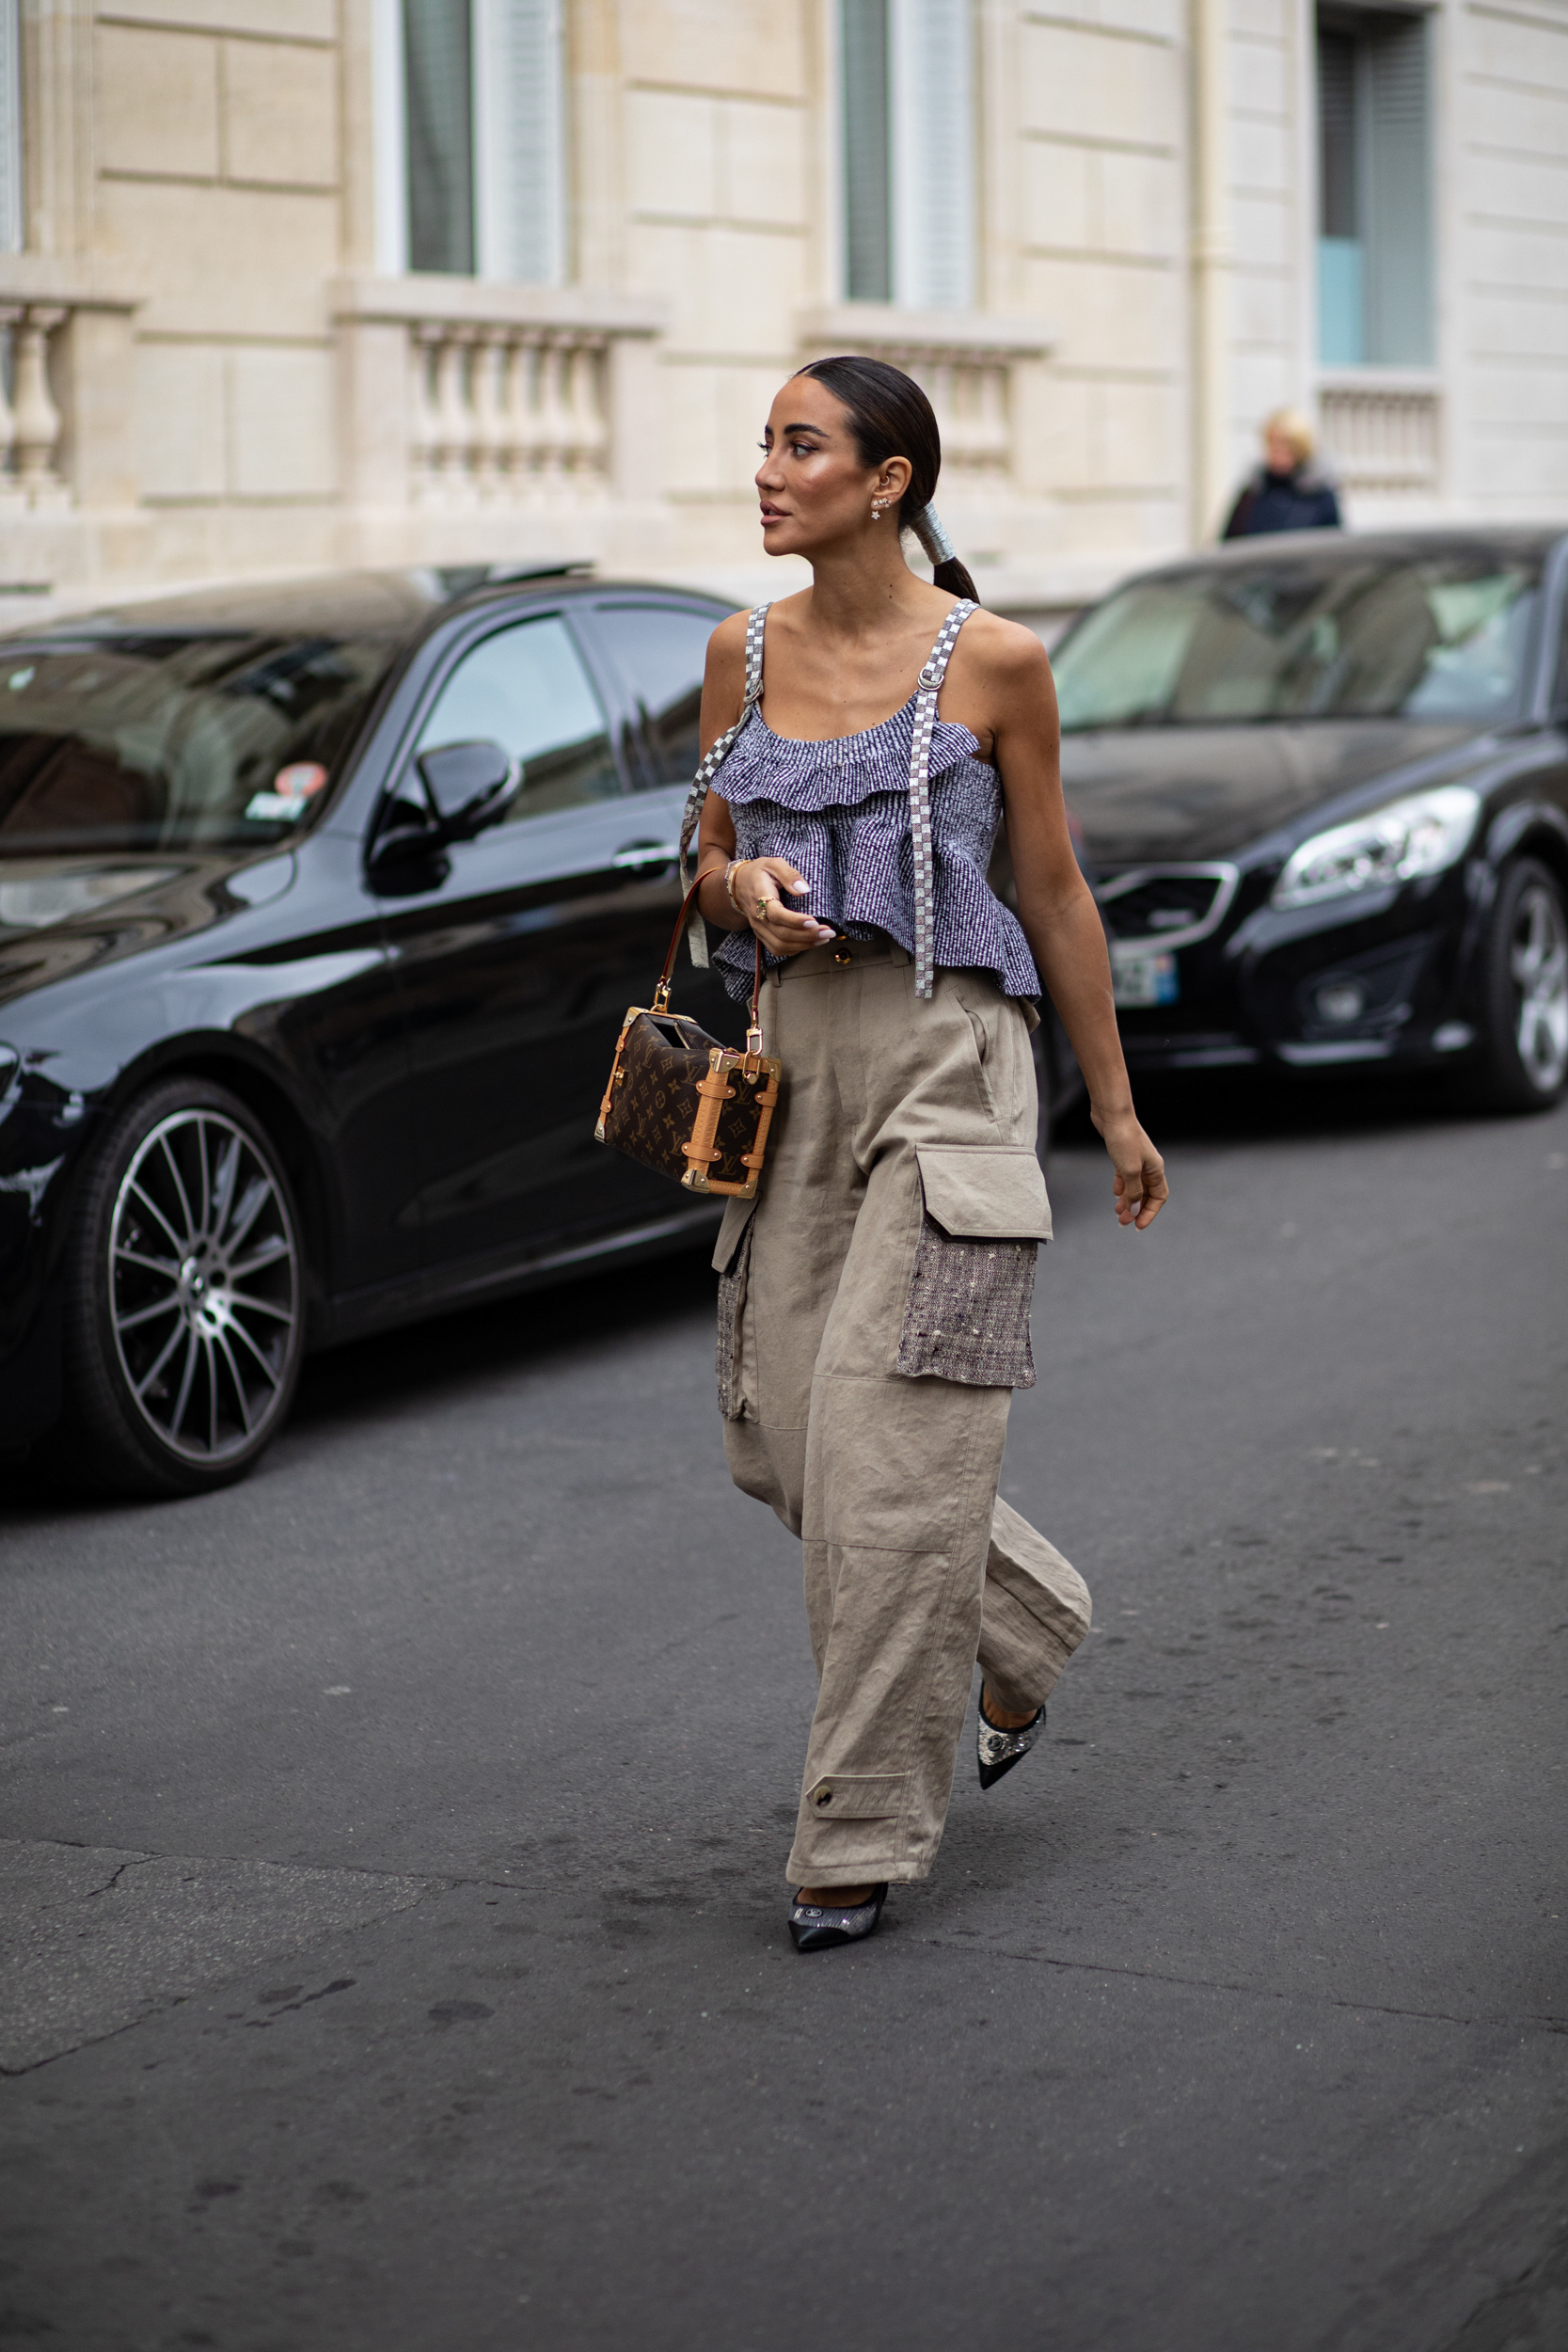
[(1436, 637), (174, 740)]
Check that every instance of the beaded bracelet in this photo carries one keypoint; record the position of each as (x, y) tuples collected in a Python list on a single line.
[(729, 881)]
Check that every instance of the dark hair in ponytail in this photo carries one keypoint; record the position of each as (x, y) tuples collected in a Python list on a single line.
[(891, 417)]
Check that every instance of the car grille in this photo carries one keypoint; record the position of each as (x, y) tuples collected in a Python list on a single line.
[(1167, 906)]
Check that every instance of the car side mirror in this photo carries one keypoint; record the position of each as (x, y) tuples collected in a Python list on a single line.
[(469, 786)]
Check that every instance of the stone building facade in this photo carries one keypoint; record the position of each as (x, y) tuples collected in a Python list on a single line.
[(294, 283)]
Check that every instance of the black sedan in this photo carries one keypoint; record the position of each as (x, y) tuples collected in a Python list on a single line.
[(320, 909), (1324, 782)]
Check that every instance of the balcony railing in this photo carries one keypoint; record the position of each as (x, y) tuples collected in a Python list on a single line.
[(67, 415), (30, 421), (964, 362), (513, 416), (1382, 432), (458, 394)]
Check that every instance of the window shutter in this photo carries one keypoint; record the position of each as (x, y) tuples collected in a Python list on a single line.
[(1341, 332), (10, 127), (1398, 231), (1338, 214), (438, 75), (867, 225), (933, 153), (518, 114)]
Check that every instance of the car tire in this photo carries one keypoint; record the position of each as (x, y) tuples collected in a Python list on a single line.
[(1524, 992), (184, 1300)]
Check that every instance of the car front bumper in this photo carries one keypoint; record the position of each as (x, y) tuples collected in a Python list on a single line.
[(1382, 977), (45, 1132)]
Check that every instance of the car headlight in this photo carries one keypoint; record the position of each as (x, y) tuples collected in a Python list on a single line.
[(1420, 834)]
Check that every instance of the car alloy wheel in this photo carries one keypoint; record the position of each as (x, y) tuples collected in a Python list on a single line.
[(1523, 993), (1538, 963), (204, 1287), (185, 1300)]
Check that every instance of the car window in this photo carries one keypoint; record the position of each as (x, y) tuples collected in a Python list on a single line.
[(525, 689), (1441, 637), (659, 650), (118, 741)]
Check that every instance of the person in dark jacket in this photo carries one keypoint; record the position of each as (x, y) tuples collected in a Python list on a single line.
[(1286, 492)]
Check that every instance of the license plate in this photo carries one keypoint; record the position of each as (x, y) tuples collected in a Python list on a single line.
[(1140, 975)]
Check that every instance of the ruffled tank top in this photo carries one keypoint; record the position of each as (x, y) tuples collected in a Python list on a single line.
[(840, 812)]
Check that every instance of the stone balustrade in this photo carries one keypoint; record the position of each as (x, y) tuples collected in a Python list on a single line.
[(67, 393), (457, 394), (964, 362), (1382, 432), (30, 419), (507, 415)]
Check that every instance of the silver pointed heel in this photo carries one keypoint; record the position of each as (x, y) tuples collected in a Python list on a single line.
[(817, 1927), (998, 1750)]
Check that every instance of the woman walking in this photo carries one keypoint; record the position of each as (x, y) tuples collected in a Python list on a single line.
[(874, 1310)]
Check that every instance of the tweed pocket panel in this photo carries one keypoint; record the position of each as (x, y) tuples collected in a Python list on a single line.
[(732, 1304), (967, 1312)]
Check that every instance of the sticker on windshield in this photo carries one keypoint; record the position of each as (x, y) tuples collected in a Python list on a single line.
[(292, 788), (1142, 976)]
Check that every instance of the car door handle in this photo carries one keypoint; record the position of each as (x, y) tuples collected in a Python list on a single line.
[(643, 853)]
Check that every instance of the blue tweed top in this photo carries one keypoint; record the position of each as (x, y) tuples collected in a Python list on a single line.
[(839, 812)]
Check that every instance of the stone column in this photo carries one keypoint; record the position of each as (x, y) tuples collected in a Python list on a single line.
[(1213, 257), (372, 412), (95, 381)]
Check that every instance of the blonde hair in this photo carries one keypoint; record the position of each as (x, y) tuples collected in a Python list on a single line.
[(1293, 425)]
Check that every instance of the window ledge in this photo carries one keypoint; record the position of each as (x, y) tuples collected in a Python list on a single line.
[(456, 301), (1371, 378), (969, 335), (41, 278)]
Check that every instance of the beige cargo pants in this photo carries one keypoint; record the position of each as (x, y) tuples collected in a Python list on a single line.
[(873, 1322)]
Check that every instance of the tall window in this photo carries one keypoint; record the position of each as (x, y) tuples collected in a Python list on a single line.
[(10, 126), (1374, 174), (470, 159), (907, 70)]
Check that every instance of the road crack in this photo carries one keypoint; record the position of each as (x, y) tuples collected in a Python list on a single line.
[(1267, 1992)]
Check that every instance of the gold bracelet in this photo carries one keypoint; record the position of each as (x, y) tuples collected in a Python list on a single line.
[(729, 881)]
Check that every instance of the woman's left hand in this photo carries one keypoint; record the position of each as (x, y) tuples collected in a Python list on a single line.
[(1139, 1184)]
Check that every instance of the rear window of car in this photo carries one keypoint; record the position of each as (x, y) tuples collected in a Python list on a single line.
[(661, 651), (1440, 637), (175, 740)]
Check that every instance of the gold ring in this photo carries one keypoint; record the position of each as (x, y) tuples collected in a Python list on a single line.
[(763, 905)]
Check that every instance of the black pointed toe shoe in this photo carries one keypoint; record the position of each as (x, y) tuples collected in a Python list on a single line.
[(817, 1927), (998, 1750)]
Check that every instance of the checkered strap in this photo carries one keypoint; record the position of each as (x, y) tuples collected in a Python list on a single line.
[(920, 797), (696, 929)]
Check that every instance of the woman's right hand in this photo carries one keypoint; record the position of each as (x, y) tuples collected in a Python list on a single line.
[(757, 883)]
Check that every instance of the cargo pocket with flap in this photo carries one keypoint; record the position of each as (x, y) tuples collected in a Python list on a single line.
[(967, 1319), (857, 1796)]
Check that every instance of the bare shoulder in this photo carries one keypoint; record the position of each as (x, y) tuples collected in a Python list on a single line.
[(1003, 656), (726, 648)]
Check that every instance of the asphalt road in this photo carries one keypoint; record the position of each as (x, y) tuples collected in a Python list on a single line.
[(394, 1906)]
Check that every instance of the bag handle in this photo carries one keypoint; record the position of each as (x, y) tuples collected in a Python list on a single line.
[(662, 993)]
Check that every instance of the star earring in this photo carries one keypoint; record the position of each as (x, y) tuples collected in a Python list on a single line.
[(876, 506)]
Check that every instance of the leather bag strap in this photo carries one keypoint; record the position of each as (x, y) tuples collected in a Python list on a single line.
[(662, 993)]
